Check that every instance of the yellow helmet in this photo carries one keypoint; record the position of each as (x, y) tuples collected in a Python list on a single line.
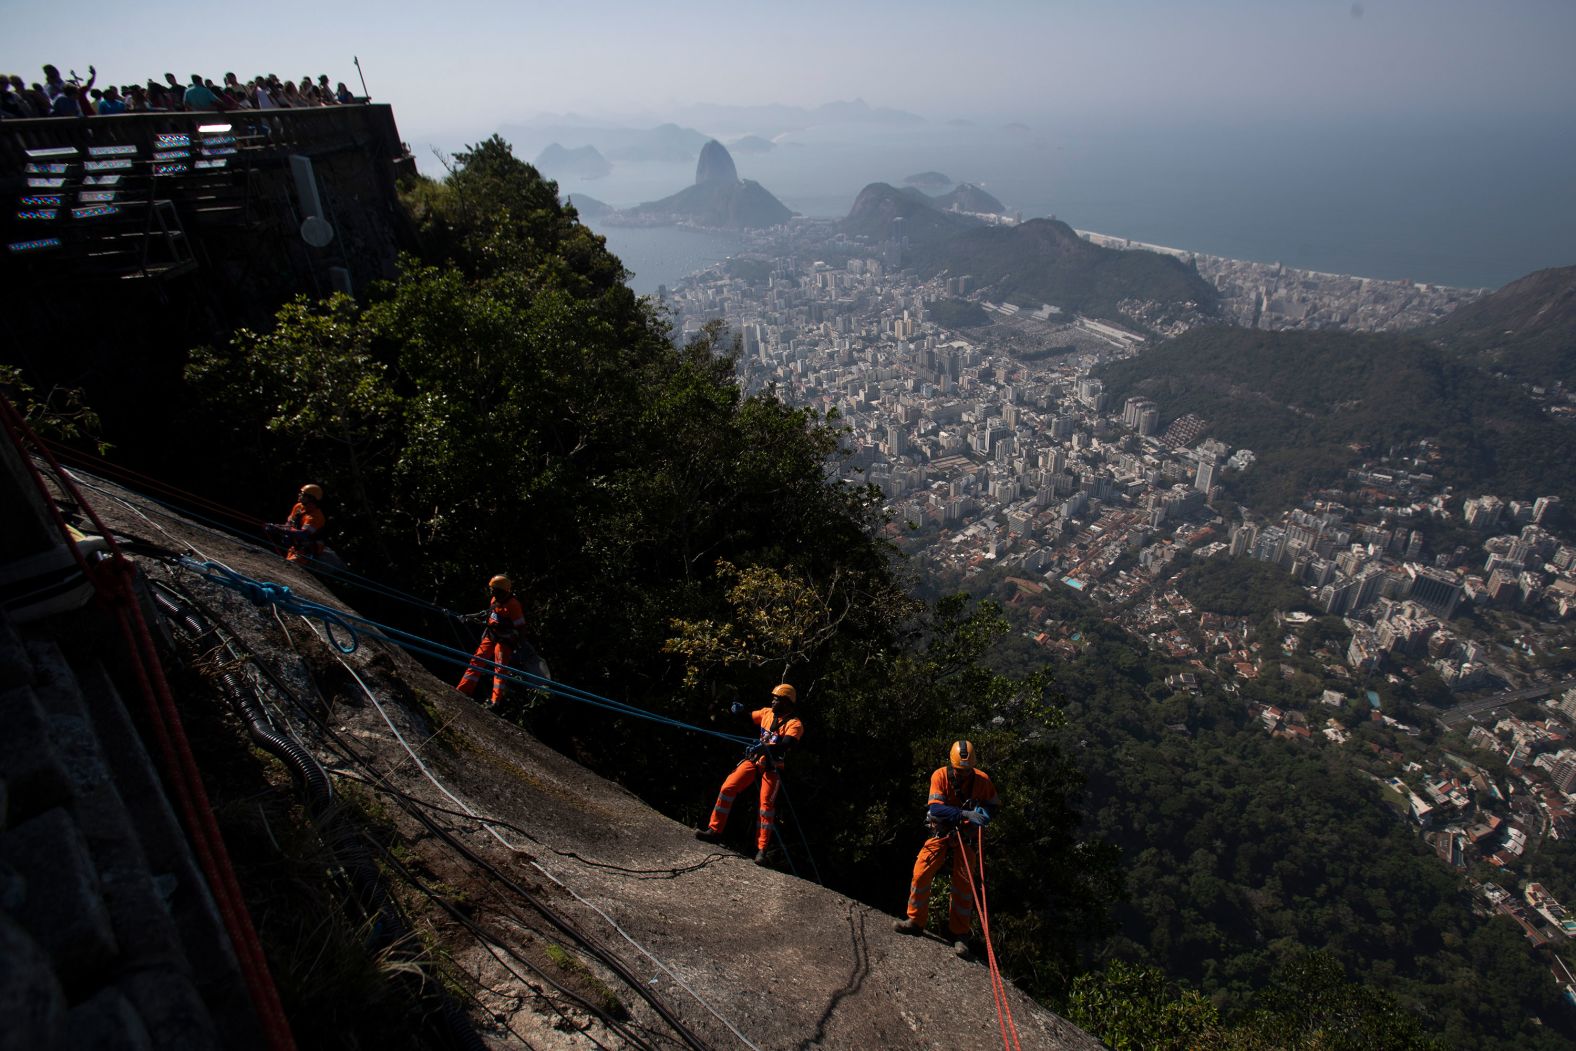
[(784, 690), (500, 581), (312, 490), (964, 755)]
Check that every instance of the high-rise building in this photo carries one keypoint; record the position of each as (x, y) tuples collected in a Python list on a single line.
[(1205, 478), (1133, 410), (1484, 512)]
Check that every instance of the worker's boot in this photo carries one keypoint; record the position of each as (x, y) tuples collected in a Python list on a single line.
[(907, 926), (761, 857), (706, 835)]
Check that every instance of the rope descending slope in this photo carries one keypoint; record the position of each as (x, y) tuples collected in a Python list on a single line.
[(998, 985), (113, 578)]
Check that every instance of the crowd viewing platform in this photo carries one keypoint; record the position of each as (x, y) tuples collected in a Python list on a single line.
[(124, 181), (73, 96)]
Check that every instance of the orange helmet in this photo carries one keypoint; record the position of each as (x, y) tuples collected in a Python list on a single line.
[(964, 755), (784, 690), (313, 490), (501, 581)]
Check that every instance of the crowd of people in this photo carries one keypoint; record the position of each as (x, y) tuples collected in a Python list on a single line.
[(72, 96)]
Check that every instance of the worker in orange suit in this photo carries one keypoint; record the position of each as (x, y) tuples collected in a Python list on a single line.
[(302, 532), (962, 801), (504, 618), (780, 729)]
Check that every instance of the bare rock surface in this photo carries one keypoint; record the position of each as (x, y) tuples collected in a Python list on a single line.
[(745, 956)]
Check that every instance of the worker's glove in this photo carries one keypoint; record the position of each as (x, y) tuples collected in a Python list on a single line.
[(978, 815), (473, 618), (736, 708), (754, 751), (272, 530)]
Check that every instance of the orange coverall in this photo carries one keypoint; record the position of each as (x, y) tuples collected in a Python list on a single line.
[(303, 525), (950, 788), (505, 624), (762, 766)]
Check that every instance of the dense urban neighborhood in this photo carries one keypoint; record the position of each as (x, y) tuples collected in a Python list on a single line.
[(1425, 630)]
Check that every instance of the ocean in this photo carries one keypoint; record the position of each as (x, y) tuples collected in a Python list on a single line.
[(664, 255), (1473, 203)]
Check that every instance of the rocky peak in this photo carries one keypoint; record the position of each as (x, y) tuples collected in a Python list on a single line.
[(715, 165)]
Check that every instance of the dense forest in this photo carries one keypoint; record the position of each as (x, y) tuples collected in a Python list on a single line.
[(1240, 587), (1310, 403), (1162, 870), (1241, 852), (956, 313)]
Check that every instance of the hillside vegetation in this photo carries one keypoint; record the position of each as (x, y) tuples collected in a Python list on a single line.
[(1040, 261), (1527, 330), (1044, 261), (1302, 400)]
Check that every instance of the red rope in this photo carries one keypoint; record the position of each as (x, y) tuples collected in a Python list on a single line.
[(113, 579), (998, 986), (990, 946), (113, 469)]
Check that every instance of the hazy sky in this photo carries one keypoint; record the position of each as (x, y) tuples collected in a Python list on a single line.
[(465, 66)]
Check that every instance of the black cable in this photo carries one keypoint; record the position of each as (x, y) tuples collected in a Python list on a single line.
[(491, 942), (367, 885), (667, 873), (548, 913)]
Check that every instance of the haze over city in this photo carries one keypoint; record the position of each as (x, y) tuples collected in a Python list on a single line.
[(472, 65), (1391, 139)]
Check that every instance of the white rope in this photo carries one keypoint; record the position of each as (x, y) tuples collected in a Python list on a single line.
[(680, 982), (134, 509)]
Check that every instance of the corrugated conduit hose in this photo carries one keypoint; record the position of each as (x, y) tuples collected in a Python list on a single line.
[(366, 880)]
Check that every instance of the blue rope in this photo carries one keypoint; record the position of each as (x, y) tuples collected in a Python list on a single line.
[(279, 595), (267, 593)]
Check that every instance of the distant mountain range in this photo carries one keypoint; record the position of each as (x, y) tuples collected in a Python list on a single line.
[(585, 162), (589, 207), (930, 182), (680, 143), (752, 144), (665, 142)]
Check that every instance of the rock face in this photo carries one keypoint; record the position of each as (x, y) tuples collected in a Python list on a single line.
[(715, 165)]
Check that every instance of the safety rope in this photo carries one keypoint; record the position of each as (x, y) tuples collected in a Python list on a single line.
[(269, 593), (338, 574), (998, 985), (282, 598), (113, 578), (513, 848)]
